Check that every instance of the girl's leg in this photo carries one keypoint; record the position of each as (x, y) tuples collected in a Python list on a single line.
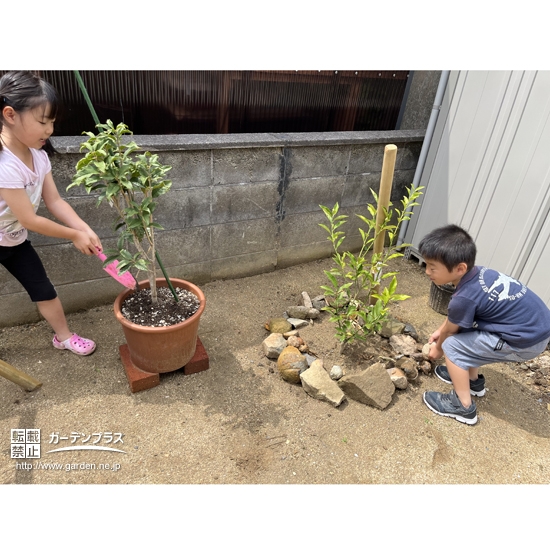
[(52, 311), (25, 265)]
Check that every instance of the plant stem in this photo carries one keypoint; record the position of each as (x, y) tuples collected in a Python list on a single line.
[(166, 277)]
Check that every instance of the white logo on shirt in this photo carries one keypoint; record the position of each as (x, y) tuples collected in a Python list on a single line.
[(496, 292)]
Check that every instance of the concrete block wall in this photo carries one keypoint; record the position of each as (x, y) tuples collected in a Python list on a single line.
[(239, 205)]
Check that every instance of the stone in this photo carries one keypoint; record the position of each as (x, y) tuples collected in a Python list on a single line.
[(411, 331), (426, 351), (297, 312), (372, 387), (318, 302), (542, 361), (273, 345), (279, 325), (425, 367), (397, 376), (409, 367), (305, 300), (291, 333), (298, 323), (402, 344), (291, 363), (310, 358), (336, 372), (295, 341), (318, 384), (302, 312), (391, 327), (313, 313)]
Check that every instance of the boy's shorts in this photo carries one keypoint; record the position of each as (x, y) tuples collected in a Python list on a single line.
[(476, 348), (25, 265)]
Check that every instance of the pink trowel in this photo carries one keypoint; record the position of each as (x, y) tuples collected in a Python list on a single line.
[(125, 279)]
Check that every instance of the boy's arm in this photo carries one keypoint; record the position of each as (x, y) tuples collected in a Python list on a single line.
[(439, 336)]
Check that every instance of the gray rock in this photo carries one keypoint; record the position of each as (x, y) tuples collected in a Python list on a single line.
[(302, 312), (318, 384), (310, 359), (336, 372), (372, 387), (411, 331), (391, 327), (273, 345), (319, 302), (402, 344), (313, 313), (298, 323), (298, 312), (305, 300)]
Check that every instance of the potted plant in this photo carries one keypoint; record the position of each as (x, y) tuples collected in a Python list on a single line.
[(160, 317)]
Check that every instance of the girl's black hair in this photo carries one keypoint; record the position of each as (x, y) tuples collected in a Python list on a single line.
[(24, 90), (450, 245)]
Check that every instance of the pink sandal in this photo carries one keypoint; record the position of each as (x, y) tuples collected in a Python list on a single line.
[(78, 345)]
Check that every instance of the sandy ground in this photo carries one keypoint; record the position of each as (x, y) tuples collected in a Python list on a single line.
[(240, 423), (235, 454)]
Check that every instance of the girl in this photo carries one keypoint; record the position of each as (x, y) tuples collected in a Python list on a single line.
[(28, 107)]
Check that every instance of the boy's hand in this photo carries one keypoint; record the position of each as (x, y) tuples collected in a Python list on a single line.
[(435, 352), (432, 352), (435, 336)]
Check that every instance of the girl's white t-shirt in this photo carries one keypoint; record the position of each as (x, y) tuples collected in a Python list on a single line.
[(15, 174)]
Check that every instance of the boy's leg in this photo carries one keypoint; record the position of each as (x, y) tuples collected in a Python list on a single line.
[(461, 382), (52, 311)]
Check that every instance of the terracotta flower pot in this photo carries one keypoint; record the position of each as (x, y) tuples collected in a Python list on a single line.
[(161, 349)]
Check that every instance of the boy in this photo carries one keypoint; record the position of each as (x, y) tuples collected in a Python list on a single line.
[(491, 318)]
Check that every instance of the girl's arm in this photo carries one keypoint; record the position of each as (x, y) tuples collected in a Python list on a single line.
[(82, 236), (64, 212)]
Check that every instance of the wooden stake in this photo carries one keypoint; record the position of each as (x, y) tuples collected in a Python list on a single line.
[(386, 182), (20, 378)]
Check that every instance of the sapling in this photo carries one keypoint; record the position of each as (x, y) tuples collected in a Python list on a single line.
[(356, 301), (130, 182)]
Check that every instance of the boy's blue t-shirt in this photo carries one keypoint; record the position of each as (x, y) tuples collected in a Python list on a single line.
[(491, 301)]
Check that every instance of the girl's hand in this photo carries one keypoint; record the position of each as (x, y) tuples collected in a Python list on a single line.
[(85, 243), (95, 240)]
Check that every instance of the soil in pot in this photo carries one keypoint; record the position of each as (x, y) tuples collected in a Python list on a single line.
[(138, 308)]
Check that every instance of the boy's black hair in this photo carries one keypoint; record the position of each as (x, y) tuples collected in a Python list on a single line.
[(450, 245), (25, 90)]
